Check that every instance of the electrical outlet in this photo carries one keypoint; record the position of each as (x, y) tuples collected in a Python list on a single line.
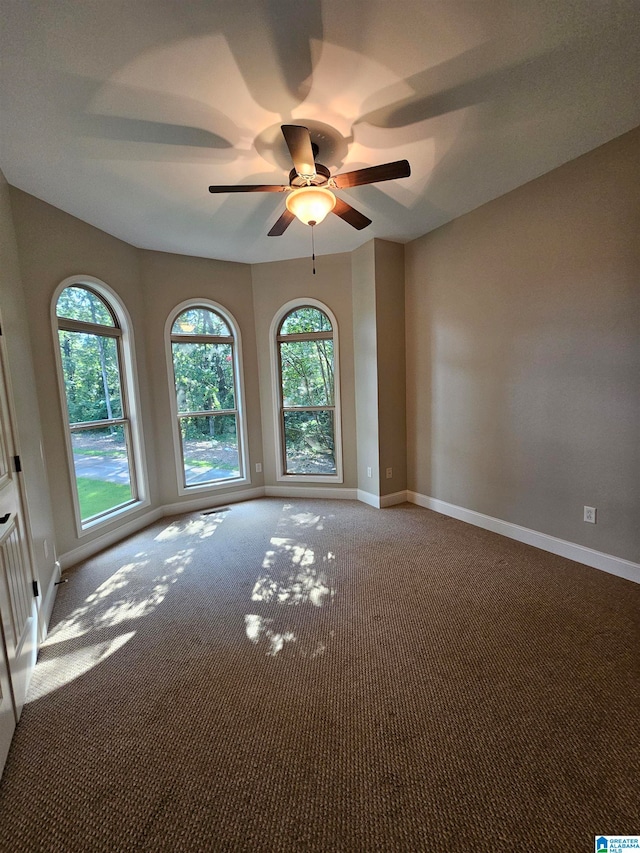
[(389, 473), (590, 514), (368, 472), (258, 467)]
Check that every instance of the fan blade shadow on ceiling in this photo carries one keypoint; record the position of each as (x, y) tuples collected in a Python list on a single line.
[(253, 216), (118, 137), (467, 80), (275, 55), (157, 132), (137, 123), (381, 205)]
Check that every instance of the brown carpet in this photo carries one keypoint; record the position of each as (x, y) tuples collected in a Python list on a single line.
[(321, 676)]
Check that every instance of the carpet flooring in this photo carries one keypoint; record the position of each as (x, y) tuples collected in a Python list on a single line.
[(299, 675)]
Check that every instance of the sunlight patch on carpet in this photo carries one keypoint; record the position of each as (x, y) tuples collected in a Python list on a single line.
[(61, 670)]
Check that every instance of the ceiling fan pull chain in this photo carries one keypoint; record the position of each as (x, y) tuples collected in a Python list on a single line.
[(313, 248)]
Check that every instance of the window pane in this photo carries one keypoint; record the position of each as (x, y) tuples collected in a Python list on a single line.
[(101, 463), (200, 321), (78, 303), (309, 442), (307, 373), (209, 448), (305, 320), (203, 377), (91, 376)]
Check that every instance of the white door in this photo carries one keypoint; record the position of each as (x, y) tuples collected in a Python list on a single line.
[(7, 714), (18, 611)]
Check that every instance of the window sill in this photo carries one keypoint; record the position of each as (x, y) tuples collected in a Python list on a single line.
[(91, 525), (228, 483), (310, 478)]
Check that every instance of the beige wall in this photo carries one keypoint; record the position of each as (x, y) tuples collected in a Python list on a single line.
[(15, 330), (365, 348), (391, 367), (379, 356), (169, 280), (53, 246), (275, 284), (523, 354)]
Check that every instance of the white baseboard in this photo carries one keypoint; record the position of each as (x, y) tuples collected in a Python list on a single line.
[(381, 501), (393, 499), (213, 501), (116, 535), (291, 491), (48, 600), (368, 498), (596, 559)]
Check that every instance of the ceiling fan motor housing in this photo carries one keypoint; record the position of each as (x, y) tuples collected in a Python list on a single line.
[(320, 178)]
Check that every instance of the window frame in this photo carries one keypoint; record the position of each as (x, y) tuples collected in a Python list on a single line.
[(122, 332), (278, 403), (241, 424)]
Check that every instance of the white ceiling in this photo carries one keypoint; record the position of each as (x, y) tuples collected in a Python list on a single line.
[(122, 112)]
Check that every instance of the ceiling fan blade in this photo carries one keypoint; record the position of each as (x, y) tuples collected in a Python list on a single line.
[(282, 224), (373, 174), (298, 142), (351, 215), (250, 188)]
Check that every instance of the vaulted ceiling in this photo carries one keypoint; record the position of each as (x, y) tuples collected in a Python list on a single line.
[(123, 113)]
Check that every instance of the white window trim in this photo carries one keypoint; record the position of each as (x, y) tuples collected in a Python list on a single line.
[(281, 476), (243, 454), (130, 392)]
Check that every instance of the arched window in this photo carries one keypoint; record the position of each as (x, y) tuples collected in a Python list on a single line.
[(206, 397), (96, 369), (308, 392)]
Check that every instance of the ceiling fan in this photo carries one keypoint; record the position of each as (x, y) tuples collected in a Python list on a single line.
[(310, 194)]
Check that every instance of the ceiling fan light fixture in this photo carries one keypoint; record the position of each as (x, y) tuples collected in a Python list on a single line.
[(310, 204)]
